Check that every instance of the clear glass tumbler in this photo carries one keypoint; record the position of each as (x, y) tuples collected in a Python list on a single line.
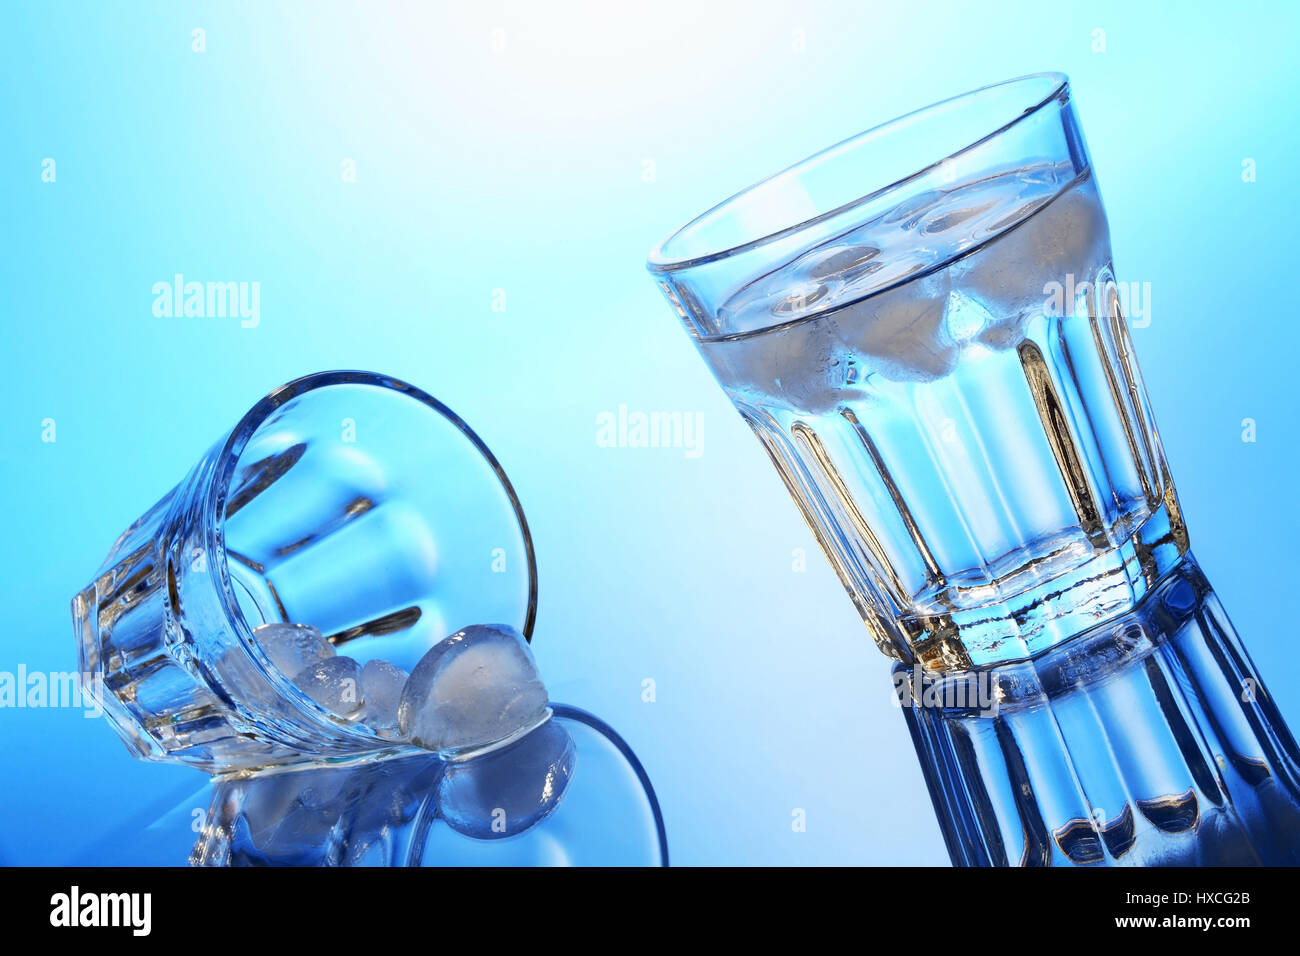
[(349, 501), (923, 328)]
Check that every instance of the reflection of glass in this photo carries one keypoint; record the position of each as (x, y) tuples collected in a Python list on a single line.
[(346, 500), (568, 793), (923, 328)]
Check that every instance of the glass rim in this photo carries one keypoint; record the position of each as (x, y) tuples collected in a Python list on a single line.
[(660, 263), (237, 441)]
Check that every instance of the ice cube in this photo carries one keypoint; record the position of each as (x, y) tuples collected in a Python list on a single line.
[(1065, 242), (902, 332), (244, 680), (334, 683), (476, 687), (381, 689), (803, 367), (292, 647), (504, 792)]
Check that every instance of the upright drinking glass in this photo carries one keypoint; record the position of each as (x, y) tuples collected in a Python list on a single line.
[(924, 330)]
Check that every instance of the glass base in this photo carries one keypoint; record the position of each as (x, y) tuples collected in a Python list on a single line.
[(1147, 741)]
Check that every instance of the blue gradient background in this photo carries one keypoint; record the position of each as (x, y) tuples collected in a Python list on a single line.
[(522, 169)]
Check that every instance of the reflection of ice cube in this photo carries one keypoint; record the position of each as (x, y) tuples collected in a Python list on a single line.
[(476, 687), (327, 816), (334, 683), (845, 262), (292, 647), (381, 691), (323, 788), (909, 212), (260, 820), (504, 792)]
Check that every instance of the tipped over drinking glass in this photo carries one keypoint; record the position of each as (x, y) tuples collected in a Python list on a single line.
[(923, 328), (331, 615), (267, 612)]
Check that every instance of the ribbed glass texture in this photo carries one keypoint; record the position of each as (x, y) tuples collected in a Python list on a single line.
[(943, 375), (1150, 741), (924, 327)]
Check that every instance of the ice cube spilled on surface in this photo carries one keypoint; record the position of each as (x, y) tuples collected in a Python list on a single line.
[(475, 688), (904, 295)]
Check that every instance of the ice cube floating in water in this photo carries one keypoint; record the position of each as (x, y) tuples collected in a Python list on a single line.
[(905, 294), (920, 234), (477, 687)]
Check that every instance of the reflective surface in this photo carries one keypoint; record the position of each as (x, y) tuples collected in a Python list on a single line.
[(571, 793), (1149, 741)]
